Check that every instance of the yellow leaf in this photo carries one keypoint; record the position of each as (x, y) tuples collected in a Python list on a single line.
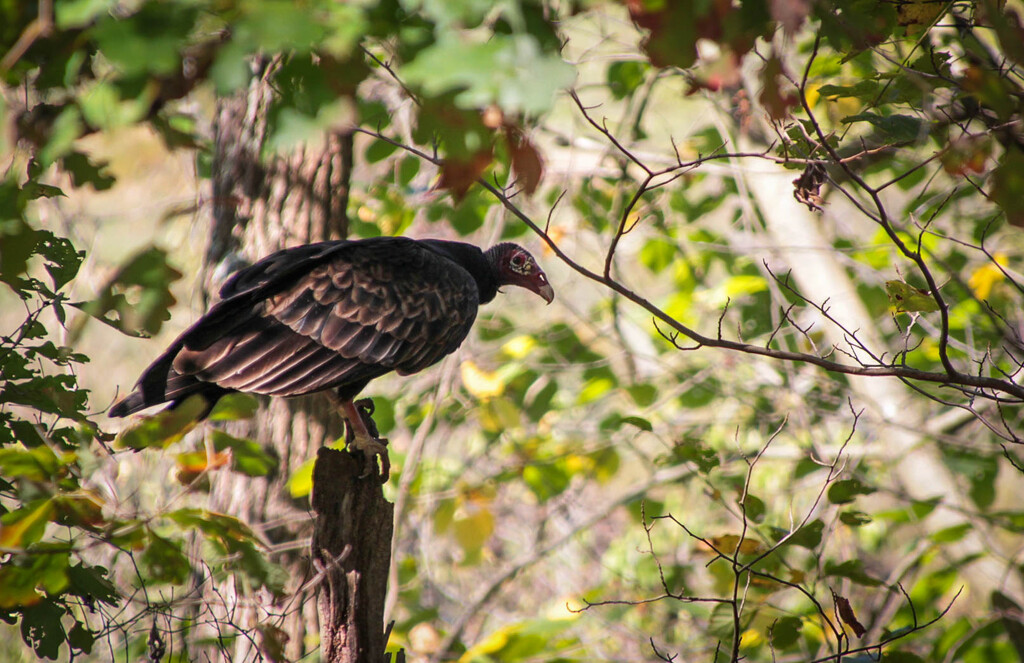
[(519, 347), (12, 535), (300, 483), (811, 94), (472, 531), (985, 277), (480, 383), (493, 643), (730, 544), (917, 14), (751, 638)]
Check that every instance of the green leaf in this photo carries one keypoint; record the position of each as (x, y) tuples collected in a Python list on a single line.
[(81, 638), (379, 150), (62, 260), (754, 508), (83, 170), (854, 518), (900, 128), (616, 422), (694, 451), (905, 298), (845, 491), (546, 480), (408, 168), (67, 129), (90, 582), (38, 463), (951, 534), (234, 407), (34, 190), (275, 25), (657, 254), (25, 432), (643, 395), (41, 628), (164, 428), (852, 569), (901, 657), (542, 400), (981, 470), (866, 89), (785, 632), (230, 70), (444, 514), (56, 394), (247, 456), (235, 542), (594, 389), (77, 13), (164, 561), (103, 107), (510, 71), (624, 77), (18, 242), (148, 41), (808, 536)]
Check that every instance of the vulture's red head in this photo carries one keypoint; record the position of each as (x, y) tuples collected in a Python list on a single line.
[(515, 266)]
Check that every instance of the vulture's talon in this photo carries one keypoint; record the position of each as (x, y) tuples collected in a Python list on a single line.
[(372, 448)]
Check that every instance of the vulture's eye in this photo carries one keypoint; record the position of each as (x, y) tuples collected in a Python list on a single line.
[(518, 260)]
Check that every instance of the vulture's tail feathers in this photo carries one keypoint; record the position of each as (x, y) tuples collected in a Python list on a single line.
[(167, 388)]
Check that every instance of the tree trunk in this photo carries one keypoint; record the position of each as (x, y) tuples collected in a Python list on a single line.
[(260, 205)]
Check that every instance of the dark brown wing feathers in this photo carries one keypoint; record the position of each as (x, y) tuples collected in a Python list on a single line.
[(346, 314)]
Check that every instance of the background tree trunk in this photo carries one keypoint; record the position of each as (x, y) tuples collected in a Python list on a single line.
[(262, 205)]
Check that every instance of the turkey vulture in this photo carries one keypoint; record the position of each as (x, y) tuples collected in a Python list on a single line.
[(333, 316)]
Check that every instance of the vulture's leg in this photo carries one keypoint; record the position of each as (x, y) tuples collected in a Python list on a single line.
[(363, 440)]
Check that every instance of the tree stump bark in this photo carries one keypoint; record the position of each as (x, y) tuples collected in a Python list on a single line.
[(352, 552)]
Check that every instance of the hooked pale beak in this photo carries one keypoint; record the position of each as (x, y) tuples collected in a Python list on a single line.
[(539, 284)]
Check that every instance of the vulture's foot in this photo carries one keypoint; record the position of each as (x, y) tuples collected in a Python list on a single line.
[(363, 437), (371, 448)]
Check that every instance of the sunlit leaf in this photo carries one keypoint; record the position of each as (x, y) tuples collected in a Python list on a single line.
[(905, 298), (983, 279), (164, 428), (480, 383), (25, 526), (233, 407), (510, 71)]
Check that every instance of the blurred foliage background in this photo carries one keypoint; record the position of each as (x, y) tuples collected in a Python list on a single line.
[(773, 414)]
